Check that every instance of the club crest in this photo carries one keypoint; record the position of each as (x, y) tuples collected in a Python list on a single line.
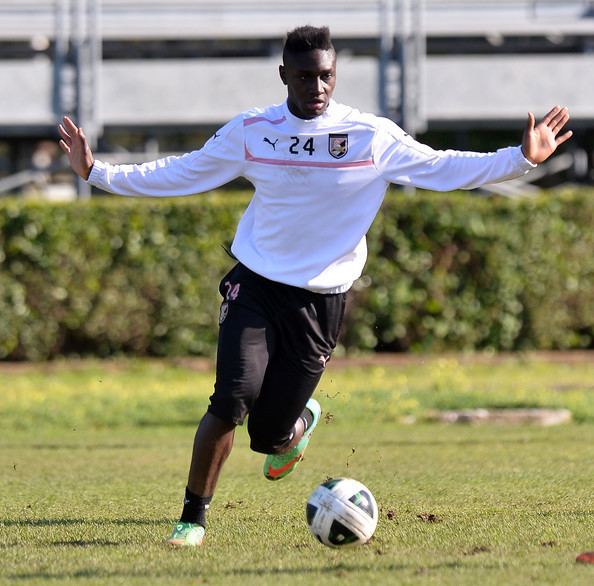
[(338, 145)]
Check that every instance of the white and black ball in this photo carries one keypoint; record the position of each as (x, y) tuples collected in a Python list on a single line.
[(342, 512)]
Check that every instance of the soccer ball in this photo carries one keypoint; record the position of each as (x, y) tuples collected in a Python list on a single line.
[(342, 512)]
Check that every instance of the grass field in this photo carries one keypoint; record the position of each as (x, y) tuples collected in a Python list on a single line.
[(93, 460)]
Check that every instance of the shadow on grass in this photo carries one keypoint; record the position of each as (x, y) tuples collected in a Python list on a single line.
[(88, 574), (88, 543), (341, 569), (69, 522), (86, 447), (345, 568)]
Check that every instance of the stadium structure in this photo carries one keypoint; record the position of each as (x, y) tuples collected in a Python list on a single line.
[(147, 77)]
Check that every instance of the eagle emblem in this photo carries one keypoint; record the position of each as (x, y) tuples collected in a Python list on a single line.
[(338, 145)]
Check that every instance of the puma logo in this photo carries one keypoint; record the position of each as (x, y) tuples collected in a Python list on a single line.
[(272, 144)]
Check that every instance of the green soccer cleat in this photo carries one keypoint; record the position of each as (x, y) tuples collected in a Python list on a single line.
[(277, 466), (186, 535)]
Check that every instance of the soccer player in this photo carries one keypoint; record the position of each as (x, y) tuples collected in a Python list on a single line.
[(320, 171)]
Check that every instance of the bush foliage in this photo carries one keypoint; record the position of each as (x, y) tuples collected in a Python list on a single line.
[(445, 272)]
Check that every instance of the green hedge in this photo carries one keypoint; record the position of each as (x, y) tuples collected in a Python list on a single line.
[(456, 272), (446, 272)]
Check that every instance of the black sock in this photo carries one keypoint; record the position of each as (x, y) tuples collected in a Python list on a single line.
[(307, 418), (195, 508)]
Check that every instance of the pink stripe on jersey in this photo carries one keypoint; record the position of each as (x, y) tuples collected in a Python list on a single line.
[(256, 119), (319, 164)]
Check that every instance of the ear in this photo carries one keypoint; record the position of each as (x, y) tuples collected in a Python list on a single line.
[(281, 72)]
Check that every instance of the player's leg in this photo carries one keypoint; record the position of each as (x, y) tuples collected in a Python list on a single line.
[(285, 415), (245, 342), (212, 445), (281, 423)]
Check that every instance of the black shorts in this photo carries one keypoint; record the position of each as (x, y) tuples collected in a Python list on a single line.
[(274, 342)]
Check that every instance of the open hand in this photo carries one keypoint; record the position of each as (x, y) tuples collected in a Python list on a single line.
[(540, 141), (74, 143)]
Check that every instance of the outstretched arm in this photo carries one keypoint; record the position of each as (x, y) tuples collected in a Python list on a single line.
[(541, 140), (74, 143), (219, 161)]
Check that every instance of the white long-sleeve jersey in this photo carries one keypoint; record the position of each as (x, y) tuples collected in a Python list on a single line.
[(319, 184)]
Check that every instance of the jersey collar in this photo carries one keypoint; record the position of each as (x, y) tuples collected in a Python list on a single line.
[(327, 115)]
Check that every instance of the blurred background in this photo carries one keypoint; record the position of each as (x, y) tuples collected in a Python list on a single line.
[(147, 78)]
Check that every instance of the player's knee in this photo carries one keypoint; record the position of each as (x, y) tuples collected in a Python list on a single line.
[(264, 441)]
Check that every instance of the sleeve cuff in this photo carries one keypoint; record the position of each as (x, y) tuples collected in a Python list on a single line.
[(528, 165), (96, 173)]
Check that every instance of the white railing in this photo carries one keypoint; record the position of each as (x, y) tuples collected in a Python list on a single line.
[(247, 19)]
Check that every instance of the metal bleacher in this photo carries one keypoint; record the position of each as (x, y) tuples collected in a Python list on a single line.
[(212, 19), (206, 90), (455, 88)]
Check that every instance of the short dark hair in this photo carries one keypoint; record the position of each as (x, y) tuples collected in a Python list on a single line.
[(307, 38)]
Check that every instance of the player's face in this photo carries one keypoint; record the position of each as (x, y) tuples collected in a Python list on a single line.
[(310, 79)]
